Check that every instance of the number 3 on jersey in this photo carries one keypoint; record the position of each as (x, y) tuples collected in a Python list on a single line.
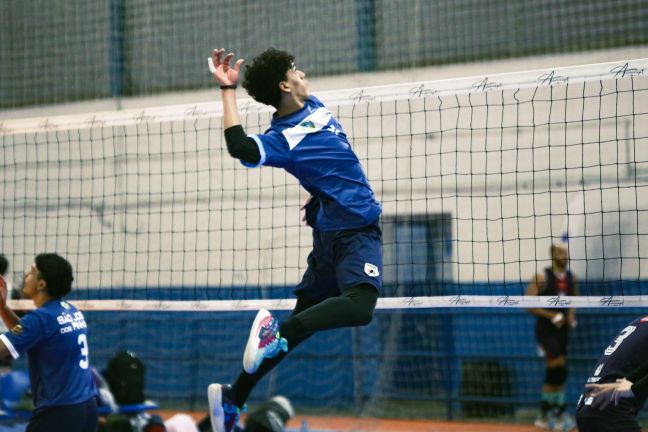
[(83, 343), (619, 339)]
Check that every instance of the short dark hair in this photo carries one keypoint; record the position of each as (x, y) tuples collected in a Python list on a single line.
[(4, 265), (56, 271), (263, 76)]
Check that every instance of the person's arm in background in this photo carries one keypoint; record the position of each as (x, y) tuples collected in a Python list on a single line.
[(557, 318), (238, 143), (9, 318), (571, 313)]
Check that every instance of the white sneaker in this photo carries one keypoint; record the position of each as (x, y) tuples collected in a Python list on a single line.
[(546, 422), (224, 415), (565, 423), (264, 341), (541, 422)]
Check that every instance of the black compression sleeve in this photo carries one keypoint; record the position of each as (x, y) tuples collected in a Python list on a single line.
[(240, 146), (639, 377), (354, 307)]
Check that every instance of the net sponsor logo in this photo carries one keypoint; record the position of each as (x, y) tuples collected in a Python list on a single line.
[(360, 97), (94, 121), (411, 302), (624, 70), (143, 117), (558, 302), (611, 301), (194, 111), (485, 86), (458, 300), (421, 91), (507, 301), (47, 125), (239, 304), (551, 78), (280, 303)]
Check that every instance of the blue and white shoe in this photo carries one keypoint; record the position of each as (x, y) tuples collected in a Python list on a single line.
[(224, 415), (565, 423), (264, 341)]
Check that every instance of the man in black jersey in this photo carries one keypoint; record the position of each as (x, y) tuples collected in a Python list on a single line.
[(617, 389), (552, 332)]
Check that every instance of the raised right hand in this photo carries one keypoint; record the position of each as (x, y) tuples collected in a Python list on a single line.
[(223, 73)]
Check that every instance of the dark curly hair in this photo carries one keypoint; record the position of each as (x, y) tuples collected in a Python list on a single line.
[(56, 271), (4, 265), (263, 76)]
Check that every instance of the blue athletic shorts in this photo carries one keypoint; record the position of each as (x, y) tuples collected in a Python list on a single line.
[(343, 259), (69, 418)]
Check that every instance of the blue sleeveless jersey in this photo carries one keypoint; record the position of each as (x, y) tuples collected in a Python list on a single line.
[(311, 145), (625, 353), (55, 338)]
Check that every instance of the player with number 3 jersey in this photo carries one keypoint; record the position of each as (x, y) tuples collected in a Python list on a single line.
[(617, 389), (55, 338)]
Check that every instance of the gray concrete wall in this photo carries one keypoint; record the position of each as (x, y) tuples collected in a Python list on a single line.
[(53, 51), (61, 50)]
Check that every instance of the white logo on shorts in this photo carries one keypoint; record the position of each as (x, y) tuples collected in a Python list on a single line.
[(371, 270)]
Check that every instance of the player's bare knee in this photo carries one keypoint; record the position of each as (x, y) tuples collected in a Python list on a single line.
[(556, 361)]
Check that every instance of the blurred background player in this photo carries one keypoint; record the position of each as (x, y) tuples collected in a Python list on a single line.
[(552, 334), (617, 389), (341, 284)]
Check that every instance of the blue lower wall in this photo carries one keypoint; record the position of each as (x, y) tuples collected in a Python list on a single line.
[(447, 356)]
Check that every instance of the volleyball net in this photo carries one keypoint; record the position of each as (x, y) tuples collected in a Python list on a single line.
[(477, 177)]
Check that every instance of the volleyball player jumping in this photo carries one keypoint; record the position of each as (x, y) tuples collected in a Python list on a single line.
[(341, 284)]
